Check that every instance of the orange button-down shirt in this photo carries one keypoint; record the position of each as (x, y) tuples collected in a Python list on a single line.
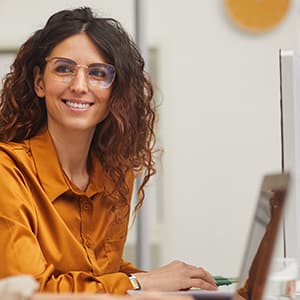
[(69, 240)]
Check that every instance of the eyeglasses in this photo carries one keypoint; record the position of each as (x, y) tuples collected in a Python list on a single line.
[(97, 74)]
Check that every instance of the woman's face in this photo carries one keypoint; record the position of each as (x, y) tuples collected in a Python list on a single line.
[(76, 99)]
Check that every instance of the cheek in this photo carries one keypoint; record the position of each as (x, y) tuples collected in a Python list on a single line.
[(52, 98), (55, 88)]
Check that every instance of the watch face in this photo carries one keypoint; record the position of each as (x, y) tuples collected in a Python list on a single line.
[(134, 282), (257, 15)]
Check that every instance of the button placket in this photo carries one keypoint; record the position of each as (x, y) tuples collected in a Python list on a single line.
[(86, 214)]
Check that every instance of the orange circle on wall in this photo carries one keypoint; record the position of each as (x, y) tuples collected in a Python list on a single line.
[(257, 15)]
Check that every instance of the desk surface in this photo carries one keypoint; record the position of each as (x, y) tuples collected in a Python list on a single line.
[(82, 296)]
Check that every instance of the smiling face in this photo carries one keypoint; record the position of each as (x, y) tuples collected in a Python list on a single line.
[(76, 104)]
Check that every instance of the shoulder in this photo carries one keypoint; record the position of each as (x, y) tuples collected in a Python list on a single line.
[(16, 162), (16, 167), (14, 151)]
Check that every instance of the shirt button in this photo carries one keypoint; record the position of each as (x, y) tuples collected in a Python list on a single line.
[(86, 206)]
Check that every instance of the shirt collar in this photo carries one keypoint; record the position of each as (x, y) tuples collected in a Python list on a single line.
[(51, 174)]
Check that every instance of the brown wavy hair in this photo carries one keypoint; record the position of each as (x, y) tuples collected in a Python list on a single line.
[(125, 140)]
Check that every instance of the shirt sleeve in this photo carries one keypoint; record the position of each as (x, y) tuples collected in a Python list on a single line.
[(115, 283), (21, 255), (20, 252)]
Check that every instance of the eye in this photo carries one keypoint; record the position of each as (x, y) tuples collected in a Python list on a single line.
[(100, 72), (64, 68)]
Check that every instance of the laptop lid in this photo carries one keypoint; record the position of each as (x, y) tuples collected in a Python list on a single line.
[(263, 235)]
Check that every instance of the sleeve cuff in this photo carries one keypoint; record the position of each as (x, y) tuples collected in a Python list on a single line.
[(116, 283)]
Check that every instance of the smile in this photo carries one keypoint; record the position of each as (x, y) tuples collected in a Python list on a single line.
[(78, 105)]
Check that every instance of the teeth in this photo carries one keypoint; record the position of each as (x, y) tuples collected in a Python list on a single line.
[(78, 105)]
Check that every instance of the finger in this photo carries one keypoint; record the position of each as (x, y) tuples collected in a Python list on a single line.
[(202, 284), (203, 274), (201, 271)]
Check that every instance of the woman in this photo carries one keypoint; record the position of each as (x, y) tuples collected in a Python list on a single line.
[(76, 123)]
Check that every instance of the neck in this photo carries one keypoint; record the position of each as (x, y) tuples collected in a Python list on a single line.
[(73, 150)]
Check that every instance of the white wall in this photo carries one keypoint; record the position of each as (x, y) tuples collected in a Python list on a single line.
[(21, 18), (219, 122), (220, 125)]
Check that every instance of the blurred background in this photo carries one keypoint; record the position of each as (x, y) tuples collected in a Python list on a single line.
[(218, 89)]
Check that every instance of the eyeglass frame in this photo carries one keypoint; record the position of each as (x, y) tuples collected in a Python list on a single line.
[(76, 66)]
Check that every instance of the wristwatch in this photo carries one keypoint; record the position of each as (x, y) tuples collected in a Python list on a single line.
[(135, 283)]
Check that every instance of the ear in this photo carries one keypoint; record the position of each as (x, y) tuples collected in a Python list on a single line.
[(38, 82)]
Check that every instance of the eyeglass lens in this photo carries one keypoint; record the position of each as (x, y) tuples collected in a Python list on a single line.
[(98, 74)]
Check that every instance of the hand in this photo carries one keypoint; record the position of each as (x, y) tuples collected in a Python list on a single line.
[(176, 276)]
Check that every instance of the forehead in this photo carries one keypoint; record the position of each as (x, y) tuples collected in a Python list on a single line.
[(80, 48)]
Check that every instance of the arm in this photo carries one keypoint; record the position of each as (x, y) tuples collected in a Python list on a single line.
[(21, 253)]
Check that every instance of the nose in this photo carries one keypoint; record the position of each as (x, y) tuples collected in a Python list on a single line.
[(79, 83)]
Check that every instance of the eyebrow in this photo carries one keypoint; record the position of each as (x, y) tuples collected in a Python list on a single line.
[(64, 59)]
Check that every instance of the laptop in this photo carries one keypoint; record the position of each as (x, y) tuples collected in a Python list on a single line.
[(260, 246)]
